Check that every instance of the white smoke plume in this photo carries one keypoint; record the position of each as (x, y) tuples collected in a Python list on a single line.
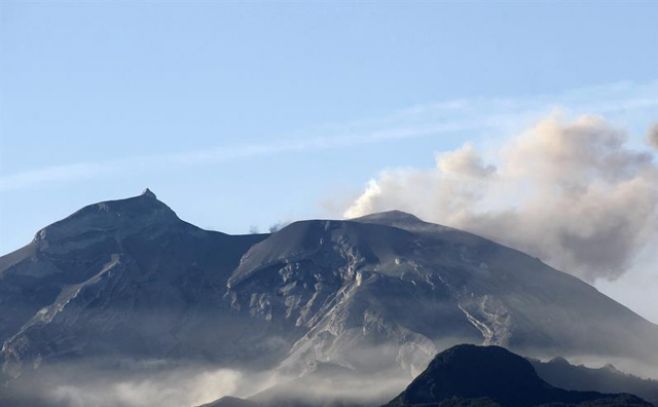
[(569, 192)]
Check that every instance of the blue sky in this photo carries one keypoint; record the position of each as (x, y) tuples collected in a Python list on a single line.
[(250, 114)]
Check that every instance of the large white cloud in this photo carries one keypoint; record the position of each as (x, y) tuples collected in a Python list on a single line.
[(569, 192)]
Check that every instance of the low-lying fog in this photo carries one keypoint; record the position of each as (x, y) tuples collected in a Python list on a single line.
[(174, 384), (158, 383)]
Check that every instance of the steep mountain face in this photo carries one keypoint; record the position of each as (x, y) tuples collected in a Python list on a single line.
[(128, 278), (492, 376), (121, 278), (357, 291), (403, 289)]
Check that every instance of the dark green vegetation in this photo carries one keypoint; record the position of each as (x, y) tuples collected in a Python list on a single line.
[(468, 375)]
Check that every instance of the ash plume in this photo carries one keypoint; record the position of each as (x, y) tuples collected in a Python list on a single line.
[(571, 192)]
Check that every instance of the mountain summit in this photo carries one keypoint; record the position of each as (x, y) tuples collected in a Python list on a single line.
[(124, 216)]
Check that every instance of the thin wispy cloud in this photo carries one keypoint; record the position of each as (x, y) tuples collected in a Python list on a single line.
[(477, 115), (85, 170)]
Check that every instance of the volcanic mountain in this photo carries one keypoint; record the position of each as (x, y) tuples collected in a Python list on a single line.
[(129, 279)]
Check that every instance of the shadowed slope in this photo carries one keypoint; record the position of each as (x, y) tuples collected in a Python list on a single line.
[(123, 278), (559, 372), (492, 375)]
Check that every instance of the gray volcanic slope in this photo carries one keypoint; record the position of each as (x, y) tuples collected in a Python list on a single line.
[(122, 278), (393, 280), (129, 278)]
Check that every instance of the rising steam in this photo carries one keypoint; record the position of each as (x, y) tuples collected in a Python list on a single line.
[(569, 192)]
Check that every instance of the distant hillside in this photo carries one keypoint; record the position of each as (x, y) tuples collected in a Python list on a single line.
[(468, 375), (559, 372)]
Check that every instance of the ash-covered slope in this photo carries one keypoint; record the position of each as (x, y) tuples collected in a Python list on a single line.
[(469, 375), (121, 278), (390, 289)]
